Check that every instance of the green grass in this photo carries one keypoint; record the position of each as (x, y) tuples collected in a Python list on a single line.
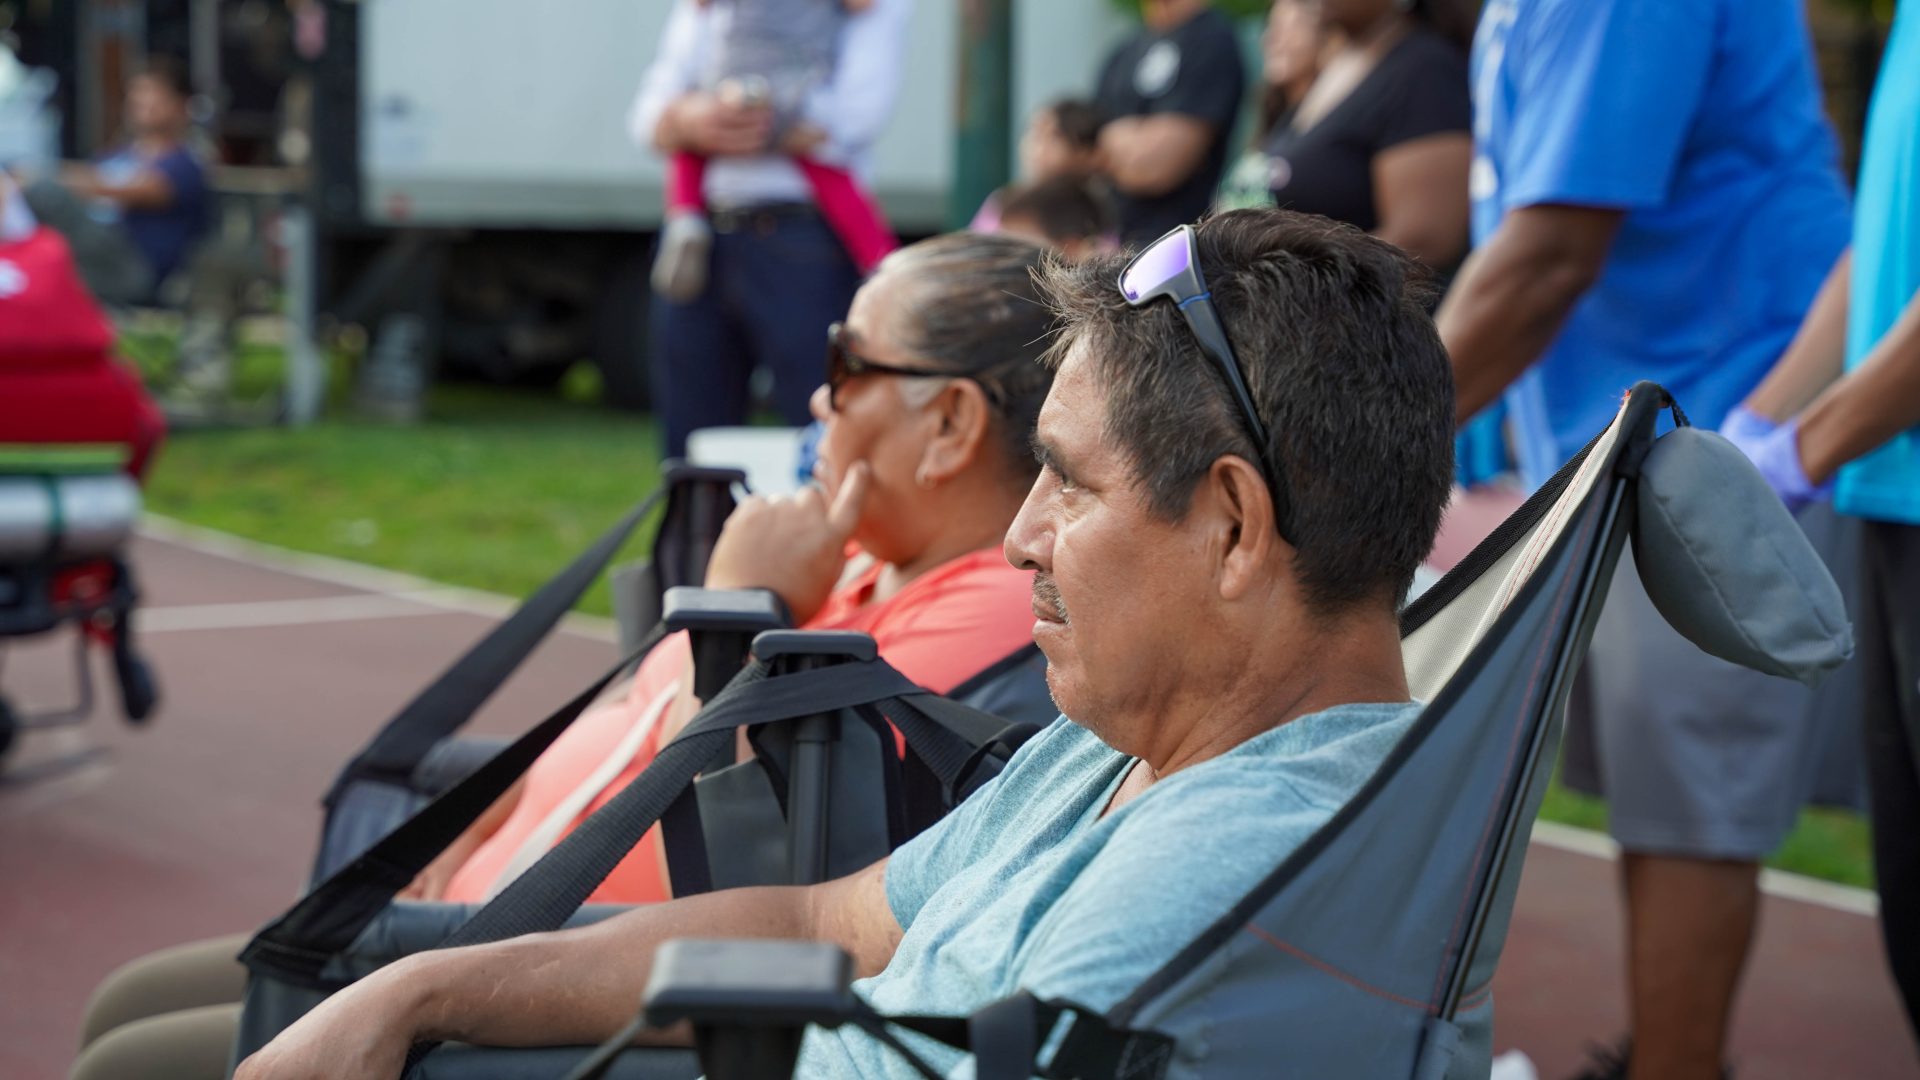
[(498, 488), (1833, 845)]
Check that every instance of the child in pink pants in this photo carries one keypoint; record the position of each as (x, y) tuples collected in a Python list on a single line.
[(774, 52)]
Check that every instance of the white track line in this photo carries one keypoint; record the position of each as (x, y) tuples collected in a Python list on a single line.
[(266, 614), (1772, 882), (353, 575)]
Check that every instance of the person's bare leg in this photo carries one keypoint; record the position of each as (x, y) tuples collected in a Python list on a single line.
[(1690, 923)]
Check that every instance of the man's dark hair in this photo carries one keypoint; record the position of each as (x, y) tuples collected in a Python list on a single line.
[(1064, 207), (975, 306), (1345, 368), (170, 72), (1079, 121)]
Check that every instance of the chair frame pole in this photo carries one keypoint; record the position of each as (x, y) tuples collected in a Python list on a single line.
[(1586, 612)]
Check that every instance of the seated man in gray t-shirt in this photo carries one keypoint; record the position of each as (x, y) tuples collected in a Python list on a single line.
[(1222, 534)]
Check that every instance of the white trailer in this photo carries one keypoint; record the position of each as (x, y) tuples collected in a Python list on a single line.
[(471, 164)]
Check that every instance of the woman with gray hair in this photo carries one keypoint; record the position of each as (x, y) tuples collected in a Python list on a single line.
[(933, 384)]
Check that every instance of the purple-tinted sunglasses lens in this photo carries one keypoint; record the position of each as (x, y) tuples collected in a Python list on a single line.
[(1156, 266)]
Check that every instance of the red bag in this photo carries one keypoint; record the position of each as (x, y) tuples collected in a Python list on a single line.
[(59, 381)]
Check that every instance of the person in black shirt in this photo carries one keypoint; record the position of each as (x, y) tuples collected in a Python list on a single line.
[(1173, 92), (1384, 138)]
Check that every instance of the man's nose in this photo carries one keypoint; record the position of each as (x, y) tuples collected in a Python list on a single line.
[(1029, 543)]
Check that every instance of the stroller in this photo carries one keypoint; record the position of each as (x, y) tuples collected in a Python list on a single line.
[(76, 434)]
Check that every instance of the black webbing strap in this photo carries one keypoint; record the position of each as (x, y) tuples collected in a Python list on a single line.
[(685, 840), (452, 699), (954, 740), (1007, 1036), (297, 946), (553, 888)]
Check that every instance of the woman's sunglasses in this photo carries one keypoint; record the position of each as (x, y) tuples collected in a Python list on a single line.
[(843, 364)]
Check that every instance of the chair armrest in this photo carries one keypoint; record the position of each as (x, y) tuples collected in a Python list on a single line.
[(750, 984), (721, 624)]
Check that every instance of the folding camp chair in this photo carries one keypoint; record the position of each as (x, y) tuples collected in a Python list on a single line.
[(825, 793), (1370, 950), (416, 756)]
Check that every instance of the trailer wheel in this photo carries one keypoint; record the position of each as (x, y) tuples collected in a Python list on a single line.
[(620, 332), (139, 693)]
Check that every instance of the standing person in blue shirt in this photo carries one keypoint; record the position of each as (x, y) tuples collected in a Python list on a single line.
[(1655, 197), (1858, 436), (133, 216)]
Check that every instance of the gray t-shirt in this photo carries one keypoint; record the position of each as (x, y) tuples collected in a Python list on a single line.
[(1026, 886)]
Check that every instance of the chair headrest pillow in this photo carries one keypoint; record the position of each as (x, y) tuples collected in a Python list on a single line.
[(1726, 565)]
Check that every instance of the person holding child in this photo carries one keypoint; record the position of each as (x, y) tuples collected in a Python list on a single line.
[(767, 111)]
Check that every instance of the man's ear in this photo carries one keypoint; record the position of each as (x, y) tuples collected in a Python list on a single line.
[(962, 419), (1244, 504)]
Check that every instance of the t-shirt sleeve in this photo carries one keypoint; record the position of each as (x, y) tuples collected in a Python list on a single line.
[(185, 177), (1430, 98), (1209, 83), (918, 868), (923, 864), (1604, 94)]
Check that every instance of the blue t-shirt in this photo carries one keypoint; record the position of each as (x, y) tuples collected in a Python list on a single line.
[(1699, 118), (1885, 484), (166, 235), (1025, 885)]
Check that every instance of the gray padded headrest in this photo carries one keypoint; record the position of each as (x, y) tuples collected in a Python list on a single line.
[(1726, 565)]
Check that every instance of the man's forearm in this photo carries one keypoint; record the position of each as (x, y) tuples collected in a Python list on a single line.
[(571, 987), (1499, 317), (1874, 403), (1815, 358), (1149, 156)]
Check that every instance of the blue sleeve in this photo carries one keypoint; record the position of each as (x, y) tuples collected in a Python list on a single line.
[(923, 864), (1604, 95), (185, 177), (916, 870)]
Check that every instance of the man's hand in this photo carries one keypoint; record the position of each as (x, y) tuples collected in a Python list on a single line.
[(705, 124), (793, 544), (363, 1031)]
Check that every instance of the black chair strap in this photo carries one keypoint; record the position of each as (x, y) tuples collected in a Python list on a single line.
[(451, 700), (297, 946), (553, 888)]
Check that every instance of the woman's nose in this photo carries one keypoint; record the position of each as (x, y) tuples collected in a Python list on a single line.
[(821, 403)]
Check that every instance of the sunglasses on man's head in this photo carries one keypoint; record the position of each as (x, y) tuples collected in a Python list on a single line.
[(843, 364), (1170, 267)]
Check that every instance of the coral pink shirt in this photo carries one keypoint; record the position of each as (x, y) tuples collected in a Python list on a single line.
[(946, 626)]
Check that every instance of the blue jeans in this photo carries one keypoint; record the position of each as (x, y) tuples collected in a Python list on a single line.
[(775, 283)]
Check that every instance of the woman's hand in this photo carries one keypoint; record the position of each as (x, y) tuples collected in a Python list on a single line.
[(363, 1031), (793, 544)]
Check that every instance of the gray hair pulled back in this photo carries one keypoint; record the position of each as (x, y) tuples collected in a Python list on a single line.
[(970, 302)]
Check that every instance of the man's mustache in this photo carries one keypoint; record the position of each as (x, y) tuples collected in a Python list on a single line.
[(1046, 595)]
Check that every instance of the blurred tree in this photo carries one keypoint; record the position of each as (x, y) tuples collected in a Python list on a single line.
[(983, 136)]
